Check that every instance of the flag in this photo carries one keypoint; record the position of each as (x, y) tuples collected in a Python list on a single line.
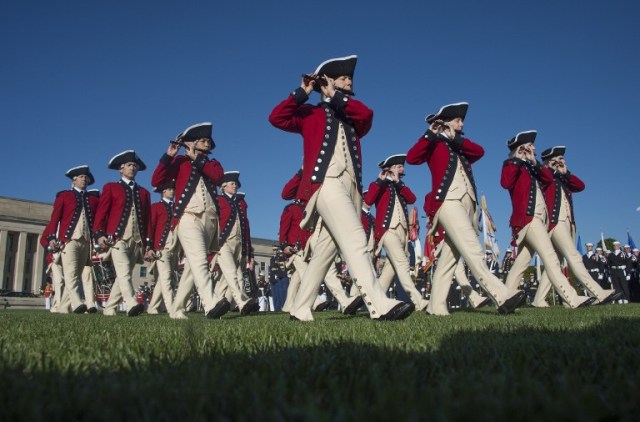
[(489, 229), (429, 252), (414, 225), (579, 245), (630, 241)]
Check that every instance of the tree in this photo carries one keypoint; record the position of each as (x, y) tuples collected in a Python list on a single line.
[(608, 244)]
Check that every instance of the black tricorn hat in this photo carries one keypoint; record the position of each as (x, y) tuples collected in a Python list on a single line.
[(80, 170), (393, 160), (521, 139), (197, 131), (161, 188), (333, 68), (553, 152), (449, 112), (231, 176), (124, 157)]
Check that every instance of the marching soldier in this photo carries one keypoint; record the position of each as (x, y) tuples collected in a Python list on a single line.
[(391, 196), (298, 246), (526, 181), (331, 182), (163, 242), (69, 234), (235, 253), (195, 214), (122, 227), (562, 228), (452, 206), (617, 264)]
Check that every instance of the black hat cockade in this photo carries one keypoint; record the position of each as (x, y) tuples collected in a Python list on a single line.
[(334, 68), (393, 160), (553, 152), (124, 157), (449, 112), (231, 176), (197, 131), (80, 170), (521, 139)]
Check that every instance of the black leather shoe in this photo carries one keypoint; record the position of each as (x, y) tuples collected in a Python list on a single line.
[(354, 306), (220, 309), (136, 310), (292, 318), (92, 310), (80, 309), (321, 307), (512, 303), (611, 298), (587, 302), (399, 312), (251, 306)]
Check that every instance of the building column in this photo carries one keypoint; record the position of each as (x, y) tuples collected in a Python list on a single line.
[(3, 253), (18, 276), (38, 269)]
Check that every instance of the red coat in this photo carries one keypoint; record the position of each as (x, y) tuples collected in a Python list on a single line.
[(441, 158), (553, 194), (66, 212), (290, 190), (161, 213), (114, 209), (187, 174), (517, 178), (290, 233), (383, 193), (228, 214), (318, 126)]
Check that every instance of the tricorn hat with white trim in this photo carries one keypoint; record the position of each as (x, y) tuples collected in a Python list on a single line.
[(521, 139), (80, 170), (393, 160), (161, 188), (334, 68), (553, 152), (124, 157), (197, 131), (449, 112), (231, 176)]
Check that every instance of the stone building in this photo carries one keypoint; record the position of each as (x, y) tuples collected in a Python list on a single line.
[(22, 259)]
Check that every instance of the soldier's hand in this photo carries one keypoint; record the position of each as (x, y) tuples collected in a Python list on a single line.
[(149, 255), (190, 152), (53, 244), (329, 90), (102, 241), (173, 149), (288, 251), (308, 83)]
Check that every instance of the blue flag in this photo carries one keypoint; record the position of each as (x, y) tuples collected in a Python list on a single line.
[(579, 245), (630, 241)]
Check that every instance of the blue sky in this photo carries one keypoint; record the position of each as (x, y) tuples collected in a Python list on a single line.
[(83, 80)]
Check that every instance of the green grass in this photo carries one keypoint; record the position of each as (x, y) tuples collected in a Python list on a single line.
[(539, 364)]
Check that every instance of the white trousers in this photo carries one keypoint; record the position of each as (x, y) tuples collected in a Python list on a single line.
[(338, 205)]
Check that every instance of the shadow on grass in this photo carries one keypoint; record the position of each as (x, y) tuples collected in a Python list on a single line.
[(492, 374)]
